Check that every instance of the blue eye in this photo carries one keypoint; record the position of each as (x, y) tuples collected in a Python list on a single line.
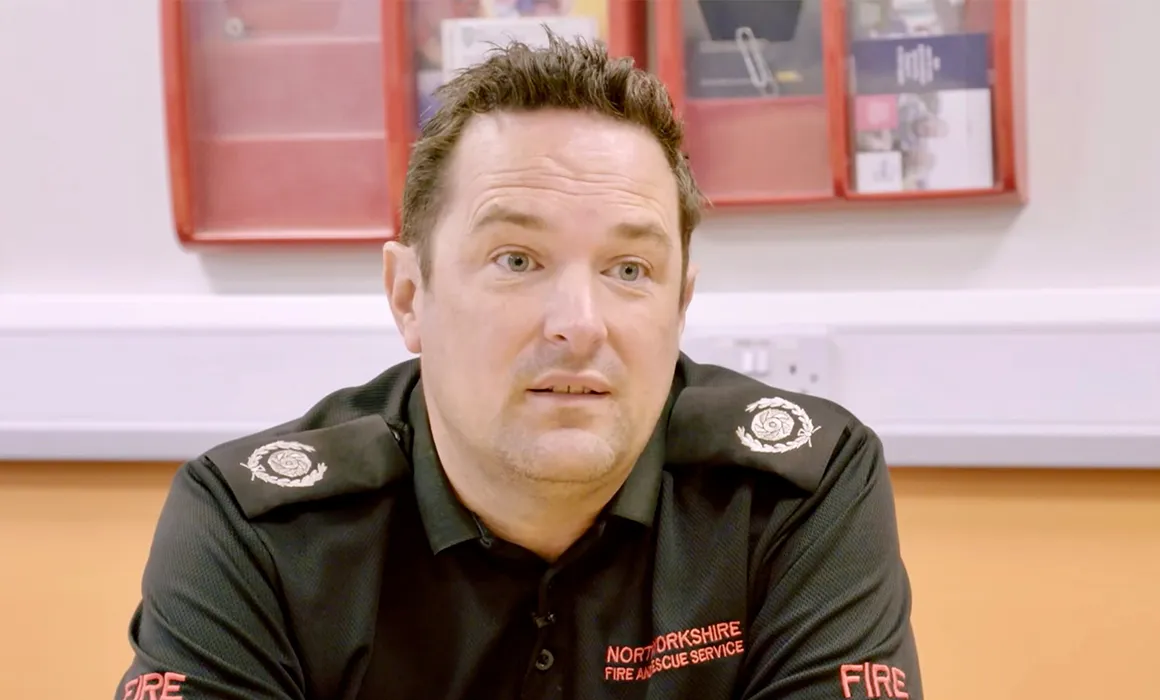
[(515, 262), (629, 271)]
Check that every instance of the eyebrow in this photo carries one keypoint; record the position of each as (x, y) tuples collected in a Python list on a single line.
[(501, 215), (628, 230)]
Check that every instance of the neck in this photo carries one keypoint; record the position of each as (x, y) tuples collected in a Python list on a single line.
[(544, 518)]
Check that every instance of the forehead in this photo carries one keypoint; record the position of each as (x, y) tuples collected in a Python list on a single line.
[(566, 164)]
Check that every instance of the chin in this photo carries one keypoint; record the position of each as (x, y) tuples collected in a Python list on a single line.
[(567, 456)]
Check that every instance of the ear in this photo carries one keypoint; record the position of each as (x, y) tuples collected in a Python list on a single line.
[(404, 288), (687, 292)]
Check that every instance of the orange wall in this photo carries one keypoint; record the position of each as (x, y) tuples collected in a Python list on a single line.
[(1028, 584)]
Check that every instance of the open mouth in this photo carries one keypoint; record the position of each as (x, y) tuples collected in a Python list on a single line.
[(569, 391)]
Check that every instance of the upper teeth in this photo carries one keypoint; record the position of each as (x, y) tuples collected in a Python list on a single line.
[(571, 390)]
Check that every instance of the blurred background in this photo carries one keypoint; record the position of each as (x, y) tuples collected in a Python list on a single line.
[(1008, 354)]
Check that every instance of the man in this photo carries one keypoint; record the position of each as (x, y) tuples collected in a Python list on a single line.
[(551, 502)]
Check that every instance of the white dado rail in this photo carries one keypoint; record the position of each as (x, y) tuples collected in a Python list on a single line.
[(1067, 378)]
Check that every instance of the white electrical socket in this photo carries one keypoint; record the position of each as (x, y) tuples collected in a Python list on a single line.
[(798, 360), (803, 363)]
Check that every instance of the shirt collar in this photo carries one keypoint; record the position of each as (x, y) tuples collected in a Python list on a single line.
[(448, 522), (637, 498)]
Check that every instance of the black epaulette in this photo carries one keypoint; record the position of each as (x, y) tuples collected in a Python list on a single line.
[(349, 442), (279, 467), (723, 418)]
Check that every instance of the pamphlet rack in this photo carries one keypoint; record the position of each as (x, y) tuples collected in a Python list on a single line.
[(837, 101)]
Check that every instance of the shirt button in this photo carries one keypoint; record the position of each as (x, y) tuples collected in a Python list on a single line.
[(544, 660)]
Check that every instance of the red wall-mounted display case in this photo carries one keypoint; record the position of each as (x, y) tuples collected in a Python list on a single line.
[(277, 123), (806, 101), (292, 120)]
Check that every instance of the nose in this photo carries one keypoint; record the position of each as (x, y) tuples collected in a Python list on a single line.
[(572, 315)]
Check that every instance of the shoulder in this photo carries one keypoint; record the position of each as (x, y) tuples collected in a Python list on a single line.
[(721, 418), (349, 442)]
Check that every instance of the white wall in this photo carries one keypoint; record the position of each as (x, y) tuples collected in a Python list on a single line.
[(84, 212), (85, 205)]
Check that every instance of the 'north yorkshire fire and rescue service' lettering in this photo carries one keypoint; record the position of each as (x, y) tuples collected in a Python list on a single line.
[(674, 650)]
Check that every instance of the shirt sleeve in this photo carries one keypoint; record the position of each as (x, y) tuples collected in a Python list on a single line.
[(835, 622), (209, 625)]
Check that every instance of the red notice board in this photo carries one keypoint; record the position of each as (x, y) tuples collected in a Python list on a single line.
[(292, 120), (279, 124), (804, 101)]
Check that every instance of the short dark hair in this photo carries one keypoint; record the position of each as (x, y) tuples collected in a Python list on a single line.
[(576, 75)]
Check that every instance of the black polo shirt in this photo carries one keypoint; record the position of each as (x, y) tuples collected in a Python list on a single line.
[(752, 553)]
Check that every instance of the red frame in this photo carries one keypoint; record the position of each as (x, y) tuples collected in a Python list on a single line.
[(176, 78), (1008, 89), (670, 58), (627, 28)]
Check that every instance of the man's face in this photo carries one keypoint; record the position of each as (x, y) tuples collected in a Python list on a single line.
[(550, 327)]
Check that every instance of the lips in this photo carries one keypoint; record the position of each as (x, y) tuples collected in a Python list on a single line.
[(562, 384), (576, 390)]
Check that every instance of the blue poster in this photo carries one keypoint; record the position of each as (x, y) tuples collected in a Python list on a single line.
[(921, 64)]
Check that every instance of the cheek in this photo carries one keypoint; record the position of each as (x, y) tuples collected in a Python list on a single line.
[(648, 341), (477, 331)]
